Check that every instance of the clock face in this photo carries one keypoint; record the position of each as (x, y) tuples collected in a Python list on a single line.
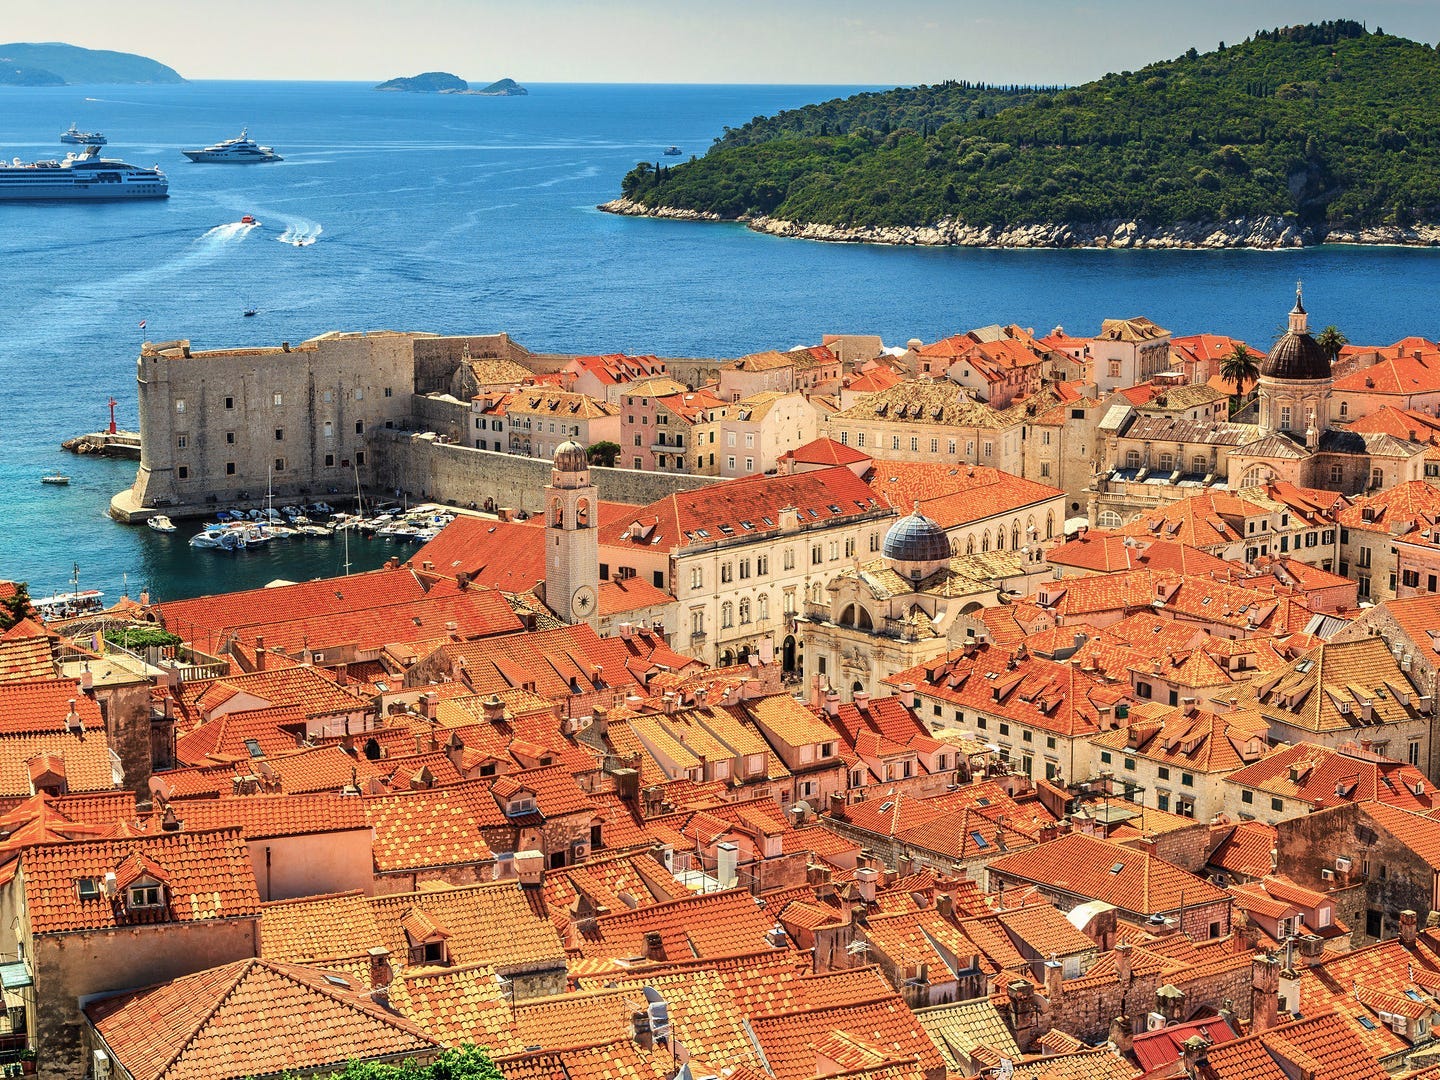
[(583, 602)]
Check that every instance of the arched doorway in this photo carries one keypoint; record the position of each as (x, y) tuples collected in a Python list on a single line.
[(743, 656), (787, 655), (727, 658)]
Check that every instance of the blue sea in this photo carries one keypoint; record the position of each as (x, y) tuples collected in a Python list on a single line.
[(470, 214)]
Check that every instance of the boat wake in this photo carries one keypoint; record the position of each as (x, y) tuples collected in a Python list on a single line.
[(231, 230), (301, 233)]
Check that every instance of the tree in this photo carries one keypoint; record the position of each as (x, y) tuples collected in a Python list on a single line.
[(1332, 341), (458, 1063), (1239, 367), (16, 607), (603, 453)]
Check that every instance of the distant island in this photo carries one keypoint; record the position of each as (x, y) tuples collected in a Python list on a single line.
[(1324, 133), (57, 64), (442, 82)]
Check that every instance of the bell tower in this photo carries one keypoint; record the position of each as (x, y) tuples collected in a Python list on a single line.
[(572, 541)]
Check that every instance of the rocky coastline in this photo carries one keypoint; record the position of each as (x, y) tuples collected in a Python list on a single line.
[(1259, 233)]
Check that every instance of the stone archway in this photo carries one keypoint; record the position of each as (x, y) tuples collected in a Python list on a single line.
[(787, 655)]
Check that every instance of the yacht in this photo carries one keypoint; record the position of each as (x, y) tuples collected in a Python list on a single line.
[(241, 150), (86, 176), (672, 151), (82, 138)]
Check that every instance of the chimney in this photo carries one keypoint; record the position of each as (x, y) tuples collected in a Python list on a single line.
[(1054, 978), (259, 653), (865, 881), (727, 858), (702, 696), (429, 704), (529, 868), (625, 630), (1120, 1034), (862, 701), (1264, 993), (342, 676), (817, 692), (832, 703), (945, 905), (1193, 1056), (380, 971), (671, 702), (907, 695), (1407, 928), (494, 708), (1122, 963), (837, 806)]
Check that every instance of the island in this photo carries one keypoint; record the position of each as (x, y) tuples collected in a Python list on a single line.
[(443, 82), (1323, 133), (57, 64)]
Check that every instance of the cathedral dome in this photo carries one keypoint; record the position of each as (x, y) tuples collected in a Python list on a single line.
[(1297, 355), (916, 539), (570, 457)]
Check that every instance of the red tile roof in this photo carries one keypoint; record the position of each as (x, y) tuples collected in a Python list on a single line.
[(824, 451), (955, 495), (42, 705), (251, 1018), (424, 829), (208, 876), (1246, 850), (1324, 777)]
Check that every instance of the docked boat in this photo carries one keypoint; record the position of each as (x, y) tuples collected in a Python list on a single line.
[(160, 523), (77, 137), (55, 478), (223, 539), (67, 604), (241, 150), (85, 176)]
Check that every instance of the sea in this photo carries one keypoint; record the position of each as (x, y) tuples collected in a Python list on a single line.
[(459, 214)]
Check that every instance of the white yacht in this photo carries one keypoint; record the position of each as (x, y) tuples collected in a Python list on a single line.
[(241, 150), (160, 523), (82, 138), (86, 176)]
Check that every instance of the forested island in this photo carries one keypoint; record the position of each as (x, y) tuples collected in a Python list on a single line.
[(56, 64), (1303, 134), (443, 82)]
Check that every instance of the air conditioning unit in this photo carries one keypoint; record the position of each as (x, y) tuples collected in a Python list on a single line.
[(100, 1070), (1154, 1021), (1326, 874), (579, 850), (1343, 863)]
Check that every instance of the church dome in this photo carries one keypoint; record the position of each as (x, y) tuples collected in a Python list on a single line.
[(570, 457), (1297, 355), (916, 538)]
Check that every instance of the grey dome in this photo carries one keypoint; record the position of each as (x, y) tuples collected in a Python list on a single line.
[(1296, 356), (570, 457), (916, 538)]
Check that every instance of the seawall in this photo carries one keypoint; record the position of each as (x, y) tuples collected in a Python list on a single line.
[(1263, 232), (461, 475)]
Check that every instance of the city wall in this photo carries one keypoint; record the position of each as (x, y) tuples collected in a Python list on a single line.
[(446, 472)]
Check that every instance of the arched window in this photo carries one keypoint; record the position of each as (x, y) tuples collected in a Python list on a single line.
[(1000, 538), (863, 620), (582, 514), (557, 514), (1050, 526), (744, 610), (727, 615), (762, 607), (1108, 519), (1015, 537), (1167, 462), (985, 541), (1200, 465), (1344, 409), (970, 545)]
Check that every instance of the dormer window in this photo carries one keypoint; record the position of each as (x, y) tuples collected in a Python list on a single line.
[(827, 749), (145, 894), (522, 803)]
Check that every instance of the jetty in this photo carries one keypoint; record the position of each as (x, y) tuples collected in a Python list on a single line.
[(112, 442)]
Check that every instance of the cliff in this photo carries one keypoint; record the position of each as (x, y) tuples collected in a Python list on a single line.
[(1299, 135), (58, 64)]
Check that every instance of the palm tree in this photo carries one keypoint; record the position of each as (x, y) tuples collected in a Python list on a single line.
[(1332, 341), (1239, 367)]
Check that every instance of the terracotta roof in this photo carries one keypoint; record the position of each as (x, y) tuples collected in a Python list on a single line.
[(1100, 870), (41, 705), (714, 924), (1326, 1045), (83, 763), (336, 930), (1324, 777), (458, 1005), (320, 768), (260, 817), (824, 451), (1395, 510), (1105, 552), (1191, 738), (25, 659), (208, 876), (885, 1029), (500, 924), (1326, 689), (1246, 850), (250, 1018), (424, 829), (956, 495)]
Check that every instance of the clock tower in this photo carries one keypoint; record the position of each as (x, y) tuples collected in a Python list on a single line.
[(572, 542)]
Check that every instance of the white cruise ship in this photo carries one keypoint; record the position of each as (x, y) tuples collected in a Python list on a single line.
[(241, 150), (86, 177)]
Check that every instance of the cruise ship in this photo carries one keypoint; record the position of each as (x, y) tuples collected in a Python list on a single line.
[(82, 138), (241, 150), (86, 177)]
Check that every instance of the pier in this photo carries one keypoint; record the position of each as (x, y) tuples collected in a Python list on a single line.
[(116, 444)]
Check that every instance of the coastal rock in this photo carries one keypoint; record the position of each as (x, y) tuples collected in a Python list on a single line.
[(630, 208)]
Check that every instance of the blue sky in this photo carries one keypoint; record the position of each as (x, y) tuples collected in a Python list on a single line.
[(899, 42)]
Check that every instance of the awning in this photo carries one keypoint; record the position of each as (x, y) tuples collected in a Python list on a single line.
[(15, 975)]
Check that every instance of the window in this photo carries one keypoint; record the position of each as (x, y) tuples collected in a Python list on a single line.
[(859, 438), (359, 394), (914, 443), (1337, 474), (1105, 757), (330, 461), (727, 615), (1247, 796), (278, 399), (229, 468), (1045, 469), (1049, 742), (1277, 804), (145, 895), (230, 403), (697, 624), (359, 425), (729, 462), (1163, 773), (1162, 801), (1130, 764), (697, 577), (950, 447), (279, 464), (934, 446), (762, 565), (727, 572), (749, 441), (1284, 417), (788, 559), (1167, 463), (1132, 459), (749, 465), (744, 568), (182, 472), (1004, 728), (279, 434), (744, 611), (816, 555), (229, 438), (359, 457), (1187, 779)]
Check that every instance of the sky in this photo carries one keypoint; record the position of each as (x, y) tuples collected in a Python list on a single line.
[(834, 42)]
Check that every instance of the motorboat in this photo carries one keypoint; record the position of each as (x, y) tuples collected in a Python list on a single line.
[(250, 311), (241, 150), (223, 539), (160, 523), (55, 478), (76, 137), (248, 219), (672, 151)]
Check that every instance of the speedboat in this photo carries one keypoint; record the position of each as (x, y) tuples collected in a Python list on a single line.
[(55, 478), (160, 523), (241, 150), (672, 151), (82, 138), (249, 311), (248, 219), (223, 539)]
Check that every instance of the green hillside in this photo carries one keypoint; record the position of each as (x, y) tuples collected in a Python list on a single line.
[(51, 63), (1330, 125)]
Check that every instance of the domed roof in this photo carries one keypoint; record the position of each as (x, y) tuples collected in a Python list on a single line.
[(570, 457), (1297, 355), (916, 538)]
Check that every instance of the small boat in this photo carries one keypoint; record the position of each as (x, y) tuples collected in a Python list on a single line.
[(248, 219), (55, 478), (249, 311), (160, 523), (672, 151), (76, 137)]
